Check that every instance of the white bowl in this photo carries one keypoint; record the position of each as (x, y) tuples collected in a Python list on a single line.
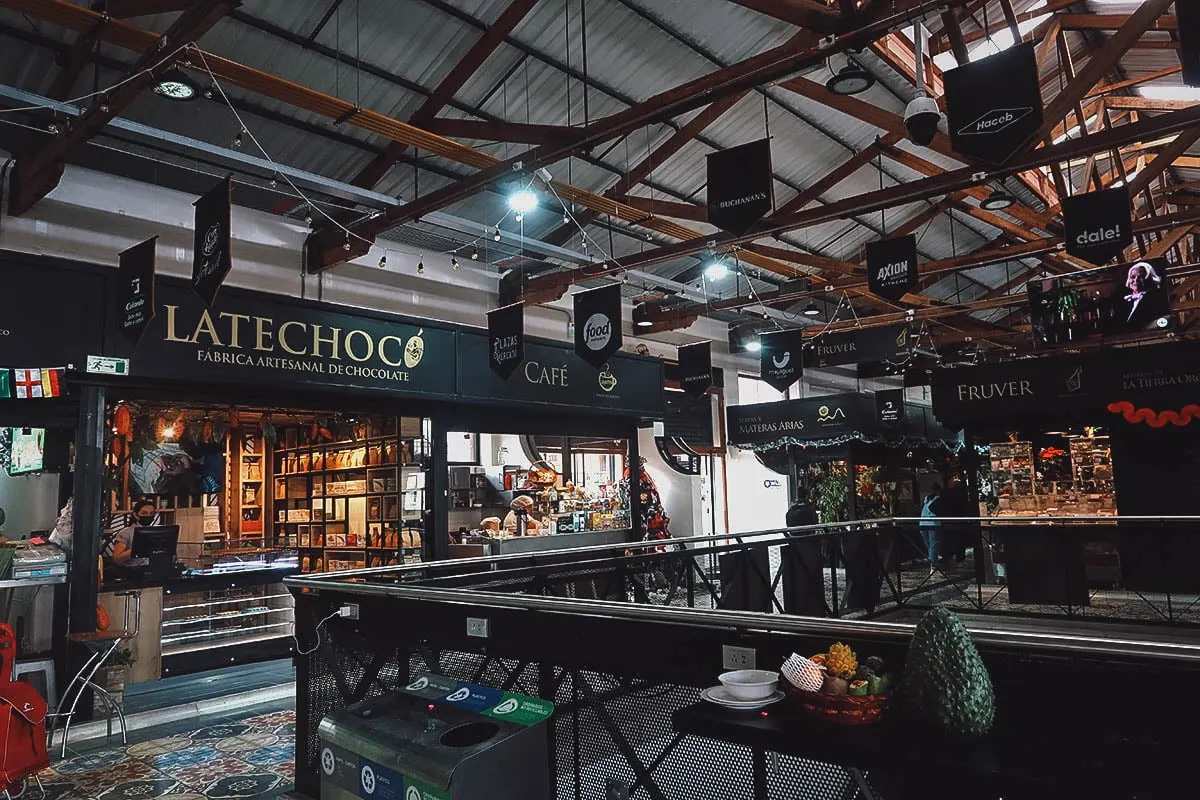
[(750, 684)]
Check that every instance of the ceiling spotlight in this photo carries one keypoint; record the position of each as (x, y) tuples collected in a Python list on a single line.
[(52, 127), (812, 309), (850, 79), (420, 267), (454, 264), (237, 140), (474, 254), (496, 235), (716, 270), (210, 92), (753, 346), (641, 315), (998, 200), (104, 109), (523, 201), (174, 85)]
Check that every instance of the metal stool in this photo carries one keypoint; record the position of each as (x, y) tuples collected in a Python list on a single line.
[(38, 673), (102, 644)]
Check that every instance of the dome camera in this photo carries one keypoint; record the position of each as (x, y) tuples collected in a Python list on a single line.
[(922, 118)]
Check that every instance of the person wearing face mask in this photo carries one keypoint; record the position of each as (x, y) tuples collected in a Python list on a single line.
[(145, 513)]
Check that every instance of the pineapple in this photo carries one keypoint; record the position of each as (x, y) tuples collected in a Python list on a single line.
[(841, 661)]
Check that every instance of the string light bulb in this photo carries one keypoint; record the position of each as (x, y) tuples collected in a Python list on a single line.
[(382, 261), (308, 218), (346, 244), (474, 254), (454, 264), (420, 267), (519, 217), (237, 140), (496, 235)]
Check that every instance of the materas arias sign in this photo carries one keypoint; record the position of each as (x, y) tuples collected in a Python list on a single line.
[(994, 105), (740, 186)]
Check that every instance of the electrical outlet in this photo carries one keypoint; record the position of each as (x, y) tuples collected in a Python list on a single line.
[(616, 789), (477, 627), (351, 610), (738, 657)]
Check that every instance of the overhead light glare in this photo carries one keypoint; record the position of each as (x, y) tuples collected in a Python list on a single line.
[(753, 346), (716, 270), (523, 201)]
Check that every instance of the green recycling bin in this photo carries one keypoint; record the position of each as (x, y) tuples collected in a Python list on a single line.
[(438, 739)]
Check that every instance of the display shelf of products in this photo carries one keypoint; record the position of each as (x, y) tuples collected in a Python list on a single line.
[(352, 503), (252, 463), (195, 621), (1084, 487)]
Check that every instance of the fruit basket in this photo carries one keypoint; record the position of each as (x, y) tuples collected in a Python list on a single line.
[(835, 688)]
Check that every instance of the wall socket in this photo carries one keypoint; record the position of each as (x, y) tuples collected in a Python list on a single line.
[(477, 627), (738, 657)]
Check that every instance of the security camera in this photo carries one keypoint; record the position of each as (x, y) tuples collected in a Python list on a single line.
[(922, 118)]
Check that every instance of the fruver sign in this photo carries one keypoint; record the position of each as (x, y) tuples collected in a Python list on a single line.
[(1008, 390), (889, 407), (506, 338), (994, 105), (598, 323), (695, 368), (553, 375), (857, 346), (251, 338), (892, 267), (135, 289), (1098, 225), (740, 186), (781, 358), (211, 259), (1188, 16)]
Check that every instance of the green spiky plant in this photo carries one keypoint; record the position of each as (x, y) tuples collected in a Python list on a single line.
[(946, 685)]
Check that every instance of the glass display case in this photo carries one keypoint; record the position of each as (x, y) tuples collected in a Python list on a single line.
[(1070, 476)]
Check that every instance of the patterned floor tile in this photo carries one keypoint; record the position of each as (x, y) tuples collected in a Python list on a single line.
[(238, 786), (247, 742), (140, 790), (271, 720), (91, 762), (221, 731), (157, 747), (196, 754), (98, 781), (201, 775), (281, 753)]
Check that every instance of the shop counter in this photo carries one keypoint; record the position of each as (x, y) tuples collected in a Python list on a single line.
[(206, 619), (558, 541)]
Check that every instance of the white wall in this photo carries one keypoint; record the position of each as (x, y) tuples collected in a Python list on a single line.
[(680, 494), (30, 502), (753, 506)]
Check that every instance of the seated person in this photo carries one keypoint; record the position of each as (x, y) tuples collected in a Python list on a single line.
[(521, 505), (121, 546)]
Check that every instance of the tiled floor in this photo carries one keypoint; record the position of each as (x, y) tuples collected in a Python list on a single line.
[(244, 759)]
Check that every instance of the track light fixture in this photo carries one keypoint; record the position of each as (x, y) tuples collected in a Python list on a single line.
[(237, 140), (475, 254), (382, 261), (850, 79)]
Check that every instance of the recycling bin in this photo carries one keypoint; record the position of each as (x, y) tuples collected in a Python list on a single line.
[(437, 740)]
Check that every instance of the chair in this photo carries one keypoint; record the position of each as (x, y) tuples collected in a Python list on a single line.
[(102, 645)]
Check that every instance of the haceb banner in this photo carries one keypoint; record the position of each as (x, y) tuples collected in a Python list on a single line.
[(994, 105)]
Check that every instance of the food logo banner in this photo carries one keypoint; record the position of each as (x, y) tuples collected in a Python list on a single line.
[(994, 105), (740, 186), (598, 324), (695, 368), (1098, 224), (781, 361), (211, 259), (506, 338), (892, 267), (135, 289), (858, 346)]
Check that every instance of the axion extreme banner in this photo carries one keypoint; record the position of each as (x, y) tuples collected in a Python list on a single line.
[(892, 267)]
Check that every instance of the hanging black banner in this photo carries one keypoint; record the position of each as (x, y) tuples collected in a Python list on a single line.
[(994, 105), (598, 324), (892, 267), (858, 346), (1098, 224), (211, 259), (1188, 16), (781, 360), (135, 290), (740, 186), (506, 339), (695, 368), (889, 407)]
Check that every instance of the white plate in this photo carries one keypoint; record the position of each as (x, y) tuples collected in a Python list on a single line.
[(721, 697)]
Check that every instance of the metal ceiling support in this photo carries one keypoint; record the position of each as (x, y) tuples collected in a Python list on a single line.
[(801, 13), (489, 131), (124, 9), (936, 186), (326, 249), (38, 173), (953, 30)]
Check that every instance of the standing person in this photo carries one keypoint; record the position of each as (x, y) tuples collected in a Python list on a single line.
[(803, 563), (929, 524), (953, 504)]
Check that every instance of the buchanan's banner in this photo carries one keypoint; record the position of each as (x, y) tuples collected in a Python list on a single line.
[(740, 186), (249, 338), (695, 368)]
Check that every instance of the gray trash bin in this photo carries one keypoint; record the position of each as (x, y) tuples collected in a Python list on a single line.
[(437, 740)]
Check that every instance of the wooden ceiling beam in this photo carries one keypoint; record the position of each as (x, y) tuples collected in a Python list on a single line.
[(490, 131), (941, 44), (801, 13), (1113, 22), (38, 172), (1110, 88)]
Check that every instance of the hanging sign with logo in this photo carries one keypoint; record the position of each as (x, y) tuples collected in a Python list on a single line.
[(1188, 16), (765, 425), (135, 289), (780, 359), (598, 324), (858, 346), (994, 105), (28, 332), (889, 407), (740, 186), (695, 368), (211, 259), (892, 267), (1098, 225), (506, 337)]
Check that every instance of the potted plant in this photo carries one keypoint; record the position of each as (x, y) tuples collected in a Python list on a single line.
[(111, 678)]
